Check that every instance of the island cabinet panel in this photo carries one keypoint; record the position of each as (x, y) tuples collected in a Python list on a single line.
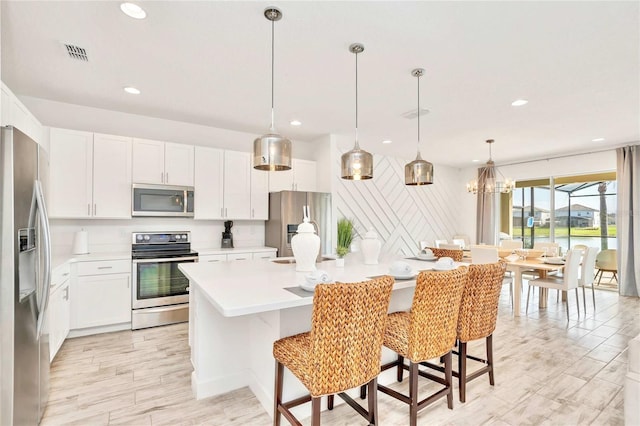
[(163, 163), (90, 175), (301, 177)]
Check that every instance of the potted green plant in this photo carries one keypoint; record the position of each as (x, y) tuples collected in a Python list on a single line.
[(345, 237)]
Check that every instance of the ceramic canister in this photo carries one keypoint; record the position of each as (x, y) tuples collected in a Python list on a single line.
[(370, 247), (306, 246)]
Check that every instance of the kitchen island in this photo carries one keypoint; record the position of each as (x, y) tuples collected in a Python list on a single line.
[(238, 309)]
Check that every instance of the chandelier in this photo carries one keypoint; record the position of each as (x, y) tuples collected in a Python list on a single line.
[(490, 180)]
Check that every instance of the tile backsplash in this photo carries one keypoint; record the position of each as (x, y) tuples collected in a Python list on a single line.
[(109, 236)]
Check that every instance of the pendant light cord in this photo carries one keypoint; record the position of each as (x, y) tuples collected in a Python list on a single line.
[(272, 73), (357, 145), (418, 114)]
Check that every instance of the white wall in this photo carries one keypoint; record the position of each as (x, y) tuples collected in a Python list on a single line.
[(567, 166), (78, 117), (401, 215)]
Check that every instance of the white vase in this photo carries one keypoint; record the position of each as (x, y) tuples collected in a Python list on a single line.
[(340, 262), (370, 247), (306, 246)]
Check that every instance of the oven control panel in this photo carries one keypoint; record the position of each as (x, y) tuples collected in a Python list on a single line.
[(161, 237)]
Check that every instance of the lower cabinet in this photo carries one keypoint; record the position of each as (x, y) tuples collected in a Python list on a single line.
[(101, 294), (247, 255), (59, 309)]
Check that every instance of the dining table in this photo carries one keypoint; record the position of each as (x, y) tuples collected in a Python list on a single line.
[(518, 266)]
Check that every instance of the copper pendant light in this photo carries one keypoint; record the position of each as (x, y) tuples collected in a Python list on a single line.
[(356, 164), (272, 151)]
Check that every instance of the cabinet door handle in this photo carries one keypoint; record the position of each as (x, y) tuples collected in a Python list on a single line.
[(221, 212), (65, 274), (226, 213), (66, 294), (89, 209), (167, 181), (162, 177), (95, 209), (128, 282), (214, 260), (105, 267), (241, 258)]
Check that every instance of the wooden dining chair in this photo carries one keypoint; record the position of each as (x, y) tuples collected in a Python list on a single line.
[(427, 331), (566, 282), (342, 350)]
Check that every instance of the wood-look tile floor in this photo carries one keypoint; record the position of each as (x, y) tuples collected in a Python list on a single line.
[(548, 372)]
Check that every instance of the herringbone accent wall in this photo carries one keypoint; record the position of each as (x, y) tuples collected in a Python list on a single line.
[(401, 215)]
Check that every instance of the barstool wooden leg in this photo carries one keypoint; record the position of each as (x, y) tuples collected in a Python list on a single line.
[(315, 411), (448, 375), (462, 371), (400, 370), (330, 402), (363, 391), (373, 401), (413, 391), (490, 358), (277, 394)]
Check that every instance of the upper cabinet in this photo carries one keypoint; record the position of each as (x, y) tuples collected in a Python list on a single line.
[(163, 163), (227, 188), (301, 177), (90, 175)]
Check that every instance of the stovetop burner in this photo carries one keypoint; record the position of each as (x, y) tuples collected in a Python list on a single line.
[(159, 245)]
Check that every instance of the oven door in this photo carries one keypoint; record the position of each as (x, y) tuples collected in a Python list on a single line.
[(159, 282)]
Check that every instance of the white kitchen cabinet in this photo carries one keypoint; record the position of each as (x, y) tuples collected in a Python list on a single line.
[(90, 175), (208, 183), (259, 194), (223, 185), (301, 177), (59, 309), (237, 185), (237, 255), (101, 294), (163, 163), (264, 255)]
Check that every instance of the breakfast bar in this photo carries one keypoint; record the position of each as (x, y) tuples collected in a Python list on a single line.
[(238, 309)]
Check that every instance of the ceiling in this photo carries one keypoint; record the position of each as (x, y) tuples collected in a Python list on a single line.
[(208, 62)]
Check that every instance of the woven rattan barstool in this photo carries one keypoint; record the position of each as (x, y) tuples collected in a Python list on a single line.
[(342, 350), (427, 331), (477, 320), (440, 252)]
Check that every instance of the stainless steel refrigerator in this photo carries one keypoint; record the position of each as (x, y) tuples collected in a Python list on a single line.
[(286, 213), (25, 276)]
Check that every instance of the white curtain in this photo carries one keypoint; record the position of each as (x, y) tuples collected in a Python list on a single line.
[(486, 221), (628, 220)]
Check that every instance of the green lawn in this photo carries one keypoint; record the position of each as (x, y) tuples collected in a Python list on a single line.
[(563, 232)]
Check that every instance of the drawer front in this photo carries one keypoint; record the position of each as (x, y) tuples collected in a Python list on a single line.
[(239, 256), (212, 258), (104, 267), (60, 274), (265, 255)]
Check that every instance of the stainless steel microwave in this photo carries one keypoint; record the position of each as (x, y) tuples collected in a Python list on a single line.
[(161, 200)]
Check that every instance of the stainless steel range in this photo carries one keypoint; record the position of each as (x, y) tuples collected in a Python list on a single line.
[(160, 290)]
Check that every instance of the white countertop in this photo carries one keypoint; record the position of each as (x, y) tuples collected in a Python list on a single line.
[(203, 251), (243, 288)]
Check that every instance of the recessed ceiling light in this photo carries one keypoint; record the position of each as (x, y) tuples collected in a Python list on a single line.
[(519, 102), (296, 123), (132, 90), (387, 141), (597, 140), (133, 10), (475, 161)]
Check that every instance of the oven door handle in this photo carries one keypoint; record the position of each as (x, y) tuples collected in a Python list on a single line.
[(167, 259)]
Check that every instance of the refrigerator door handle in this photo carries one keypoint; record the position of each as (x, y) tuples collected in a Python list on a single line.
[(38, 206)]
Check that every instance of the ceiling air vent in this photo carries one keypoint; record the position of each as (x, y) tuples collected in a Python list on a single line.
[(76, 52), (414, 113)]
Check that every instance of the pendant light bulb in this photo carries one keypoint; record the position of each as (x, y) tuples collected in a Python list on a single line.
[(272, 151), (419, 171), (356, 164)]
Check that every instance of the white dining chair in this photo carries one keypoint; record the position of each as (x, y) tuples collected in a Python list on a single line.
[(438, 242), (566, 282), (547, 247), (486, 254), (423, 244), (464, 238), (587, 274), (460, 242), (511, 244)]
